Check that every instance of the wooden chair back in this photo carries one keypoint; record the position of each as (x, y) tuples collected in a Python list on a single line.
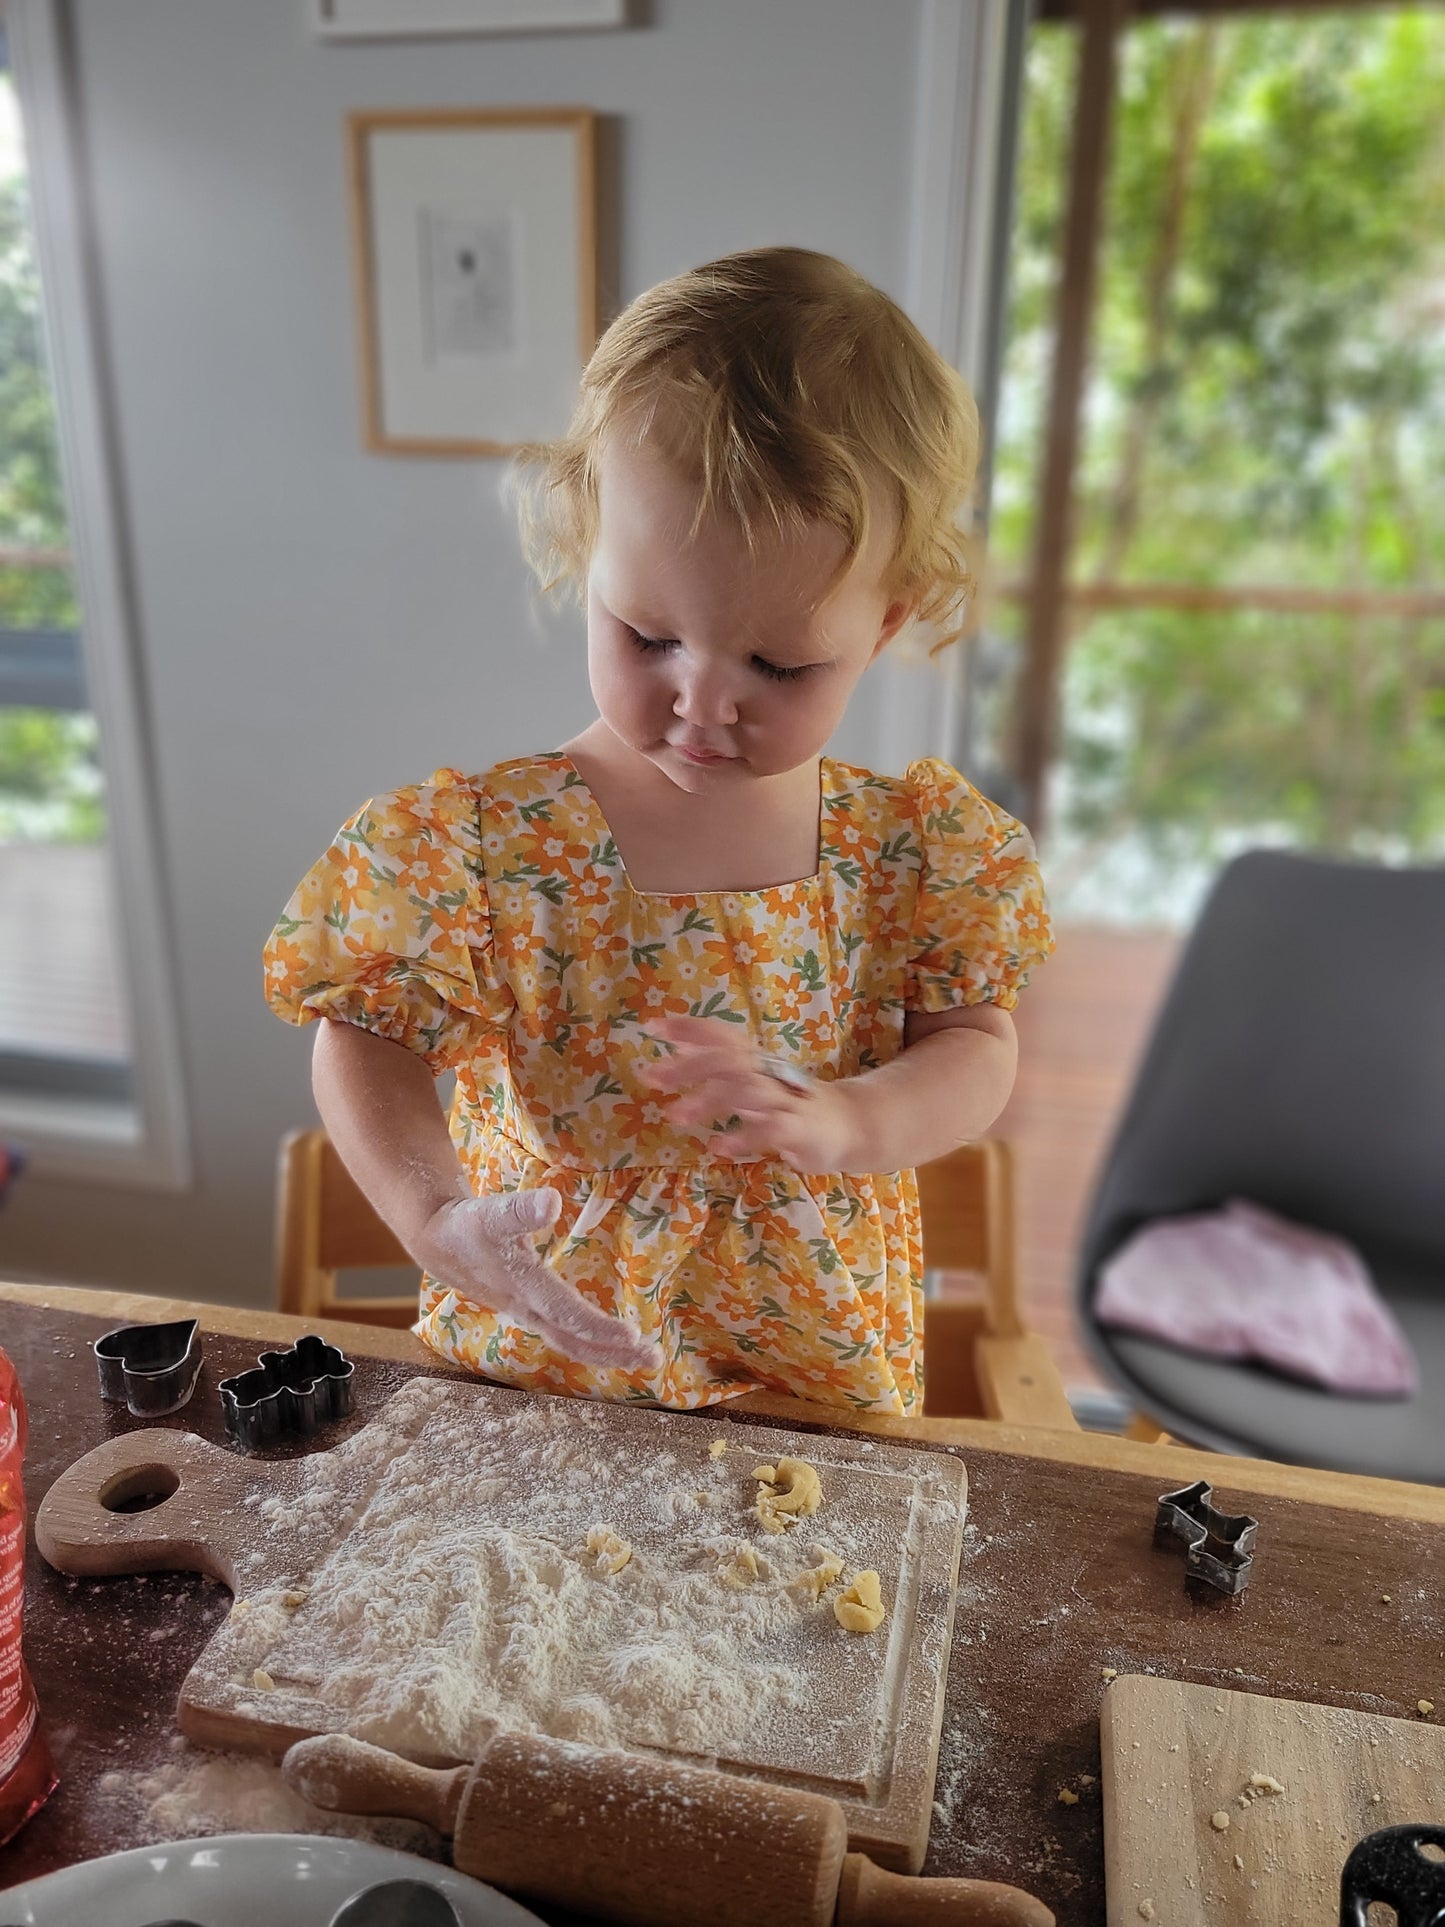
[(327, 1226), (966, 1206)]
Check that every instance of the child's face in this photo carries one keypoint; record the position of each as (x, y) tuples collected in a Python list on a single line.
[(715, 662)]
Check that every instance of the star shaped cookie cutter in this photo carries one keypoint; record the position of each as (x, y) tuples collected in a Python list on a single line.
[(287, 1392), (1219, 1545)]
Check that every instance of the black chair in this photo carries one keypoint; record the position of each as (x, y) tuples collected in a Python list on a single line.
[(1299, 1061)]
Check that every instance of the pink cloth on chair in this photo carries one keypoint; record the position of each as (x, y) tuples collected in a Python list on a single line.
[(1242, 1283)]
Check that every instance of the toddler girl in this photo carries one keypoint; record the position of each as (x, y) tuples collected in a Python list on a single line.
[(709, 994)]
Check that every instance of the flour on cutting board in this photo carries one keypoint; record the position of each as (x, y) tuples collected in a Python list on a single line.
[(463, 1598)]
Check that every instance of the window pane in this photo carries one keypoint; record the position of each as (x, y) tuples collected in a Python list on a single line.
[(1266, 407), (59, 991)]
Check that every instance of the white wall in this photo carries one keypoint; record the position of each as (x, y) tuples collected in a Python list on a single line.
[(315, 623)]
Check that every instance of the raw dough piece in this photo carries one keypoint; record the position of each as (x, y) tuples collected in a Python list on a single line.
[(1219, 1821), (860, 1607), (717, 1448), (815, 1580), (610, 1552), (785, 1492), (742, 1569)]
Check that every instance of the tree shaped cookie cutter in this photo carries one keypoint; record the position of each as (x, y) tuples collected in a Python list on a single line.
[(1220, 1545), (290, 1392)]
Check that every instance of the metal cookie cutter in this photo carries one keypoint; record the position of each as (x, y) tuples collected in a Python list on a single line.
[(1220, 1544), (287, 1392), (150, 1368)]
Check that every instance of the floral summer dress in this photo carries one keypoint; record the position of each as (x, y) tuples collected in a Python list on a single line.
[(487, 923)]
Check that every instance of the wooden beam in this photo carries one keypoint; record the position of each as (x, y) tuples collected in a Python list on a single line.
[(1404, 605), (1075, 10), (1037, 720)]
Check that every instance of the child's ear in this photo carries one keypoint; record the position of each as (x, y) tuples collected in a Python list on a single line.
[(900, 611)]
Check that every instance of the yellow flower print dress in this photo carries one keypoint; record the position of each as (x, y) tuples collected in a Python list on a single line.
[(487, 923)]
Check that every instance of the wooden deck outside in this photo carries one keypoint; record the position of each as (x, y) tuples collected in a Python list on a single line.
[(1083, 1023)]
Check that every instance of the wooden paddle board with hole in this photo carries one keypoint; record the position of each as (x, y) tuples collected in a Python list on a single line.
[(866, 1733), (1175, 1756)]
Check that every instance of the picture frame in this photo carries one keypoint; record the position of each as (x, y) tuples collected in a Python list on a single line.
[(474, 245), (433, 19)]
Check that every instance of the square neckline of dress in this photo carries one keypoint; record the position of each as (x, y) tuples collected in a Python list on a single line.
[(693, 896)]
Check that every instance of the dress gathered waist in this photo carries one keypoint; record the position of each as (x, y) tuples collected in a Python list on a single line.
[(690, 1166)]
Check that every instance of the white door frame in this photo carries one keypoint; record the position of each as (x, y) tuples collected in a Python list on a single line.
[(953, 213)]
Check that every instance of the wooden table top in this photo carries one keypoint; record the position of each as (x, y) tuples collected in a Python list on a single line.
[(1060, 1581)]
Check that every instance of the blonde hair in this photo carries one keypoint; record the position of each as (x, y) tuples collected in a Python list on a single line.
[(794, 389)]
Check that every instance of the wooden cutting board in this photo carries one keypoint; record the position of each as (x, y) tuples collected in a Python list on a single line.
[(1175, 1756), (430, 1574)]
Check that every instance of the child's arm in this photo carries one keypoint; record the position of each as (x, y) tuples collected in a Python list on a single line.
[(378, 1102), (945, 1087)]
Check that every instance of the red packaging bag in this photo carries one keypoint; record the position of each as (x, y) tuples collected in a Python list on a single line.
[(27, 1777)]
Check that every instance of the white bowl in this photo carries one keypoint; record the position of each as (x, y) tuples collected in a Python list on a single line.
[(237, 1880)]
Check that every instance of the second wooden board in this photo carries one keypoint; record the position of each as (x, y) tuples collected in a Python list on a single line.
[(475, 1558), (1233, 1810)]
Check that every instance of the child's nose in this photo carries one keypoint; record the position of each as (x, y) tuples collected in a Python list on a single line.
[(704, 700)]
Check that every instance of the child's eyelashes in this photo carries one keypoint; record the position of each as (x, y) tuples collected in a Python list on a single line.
[(652, 645), (775, 672)]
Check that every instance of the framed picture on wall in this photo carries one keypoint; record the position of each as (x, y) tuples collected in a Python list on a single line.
[(475, 250), (422, 19)]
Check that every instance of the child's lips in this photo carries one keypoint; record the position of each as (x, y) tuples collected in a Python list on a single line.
[(694, 753)]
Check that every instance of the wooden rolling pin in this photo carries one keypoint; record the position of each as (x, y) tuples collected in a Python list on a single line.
[(646, 1842)]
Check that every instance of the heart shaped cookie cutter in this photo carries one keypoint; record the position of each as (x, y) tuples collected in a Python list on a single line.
[(290, 1392), (150, 1368)]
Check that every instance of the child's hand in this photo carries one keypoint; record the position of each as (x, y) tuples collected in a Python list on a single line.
[(721, 1074), (483, 1249)]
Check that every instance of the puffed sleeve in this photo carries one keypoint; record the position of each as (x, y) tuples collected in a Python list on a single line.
[(390, 930), (980, 924)]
